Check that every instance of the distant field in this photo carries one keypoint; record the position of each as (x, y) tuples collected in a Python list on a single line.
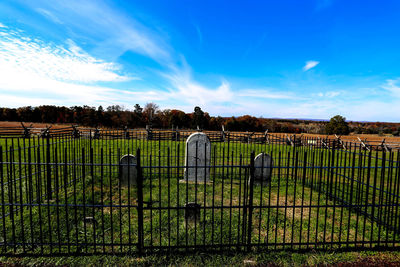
[(34, 124), (373, 138)]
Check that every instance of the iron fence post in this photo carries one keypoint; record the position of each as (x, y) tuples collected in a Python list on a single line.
[(250, 203), (48, 178), (140, 201)]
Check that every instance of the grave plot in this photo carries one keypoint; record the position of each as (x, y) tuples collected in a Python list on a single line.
[(106, 195)]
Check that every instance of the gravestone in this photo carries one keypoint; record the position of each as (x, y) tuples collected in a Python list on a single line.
[(263, 168), (96, 134), (192, 212), (198, 153), (126, 133), (128, 170)]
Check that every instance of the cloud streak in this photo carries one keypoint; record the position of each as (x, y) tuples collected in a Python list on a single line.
[(392, 86), (185, 88), (112, 31), (265, 94), (25, 57), (49, 15), (310, 64), (56, 70), (35, 72)]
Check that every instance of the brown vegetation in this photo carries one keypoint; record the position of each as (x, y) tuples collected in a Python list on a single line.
[(119, 117)]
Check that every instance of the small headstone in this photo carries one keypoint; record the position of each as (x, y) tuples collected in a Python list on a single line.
[(192, 212), (75, 132), (96, 134), (263, 168), (149, 133), (249, 262), (126, 133), (90, 220), (197, 158), (128, 170), (45, 133), (27, 133)]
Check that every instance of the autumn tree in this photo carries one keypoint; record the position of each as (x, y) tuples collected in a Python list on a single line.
[(199, 118), (25, 113), (337, 125), (149, 111), (100, 116), (179, 119), (216, 123), (138, 109)]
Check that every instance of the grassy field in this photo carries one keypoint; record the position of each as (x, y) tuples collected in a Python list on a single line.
[(304, 205), (260, 258)]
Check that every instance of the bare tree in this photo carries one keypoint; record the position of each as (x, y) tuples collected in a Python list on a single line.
[(150, 110)]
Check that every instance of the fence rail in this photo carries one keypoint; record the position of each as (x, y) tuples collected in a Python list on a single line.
[(66, 194), (179, 135)]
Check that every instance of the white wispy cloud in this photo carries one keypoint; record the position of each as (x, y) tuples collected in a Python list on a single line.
[(23, 56), (56, 69), (310, 64), (10, 100), (329, 94), (185, 88), (49, 15), (113, 31), (265, 94), (33, 72), (392, 86), (199, 34)]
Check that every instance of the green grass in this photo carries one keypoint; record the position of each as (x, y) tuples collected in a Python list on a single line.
[(261, 258), (89, 191)]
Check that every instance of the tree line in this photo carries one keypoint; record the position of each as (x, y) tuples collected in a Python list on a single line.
[(116, 116)]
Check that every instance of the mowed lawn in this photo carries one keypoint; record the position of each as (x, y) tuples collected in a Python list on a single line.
[(317, 199)]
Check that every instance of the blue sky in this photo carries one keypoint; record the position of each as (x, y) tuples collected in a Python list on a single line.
[(288, 59)]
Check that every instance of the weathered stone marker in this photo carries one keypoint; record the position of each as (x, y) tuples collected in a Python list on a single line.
[(198, 153), (90, 221), (192, 212), (263, 168), (128, 170), (96, 133)]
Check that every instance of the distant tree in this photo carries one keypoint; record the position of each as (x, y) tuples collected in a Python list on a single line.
[(162, 119), (396, 132), (138, 109), (89, 116), (232, 124), (216, 123), (100, 116), (136, 117), (271, 125), (179, 119), (115, 108), (49, 113), (149, 111), (337, 125), (25, 113), (198, 118), (248, 123), (10, 114)]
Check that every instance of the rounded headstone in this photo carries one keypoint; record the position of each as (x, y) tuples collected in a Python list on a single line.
[(128, 170), (263, 165), (192, 212), (197, 157)]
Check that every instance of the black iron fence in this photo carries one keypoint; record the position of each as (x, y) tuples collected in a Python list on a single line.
[(65, 194), (181, 135)]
